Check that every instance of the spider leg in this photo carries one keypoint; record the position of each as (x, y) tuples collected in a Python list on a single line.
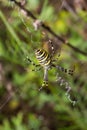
[(52, 47), (35, 65), (70, 72), (53, 52), (45, 82), (39, 68), (30, 61)]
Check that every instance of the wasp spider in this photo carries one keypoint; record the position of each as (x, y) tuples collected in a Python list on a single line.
[(47, 61)]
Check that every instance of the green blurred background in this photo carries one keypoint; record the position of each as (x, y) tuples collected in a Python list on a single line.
[(22, 106)]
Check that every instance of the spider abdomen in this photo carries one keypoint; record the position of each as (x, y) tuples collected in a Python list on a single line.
[(43, 58)]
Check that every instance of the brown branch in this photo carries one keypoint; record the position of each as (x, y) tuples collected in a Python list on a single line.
[(29, 14)]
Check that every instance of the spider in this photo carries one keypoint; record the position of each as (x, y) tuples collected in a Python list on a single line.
[(47, 61)]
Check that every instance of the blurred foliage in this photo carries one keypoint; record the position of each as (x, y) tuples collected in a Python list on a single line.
[(48, 109)]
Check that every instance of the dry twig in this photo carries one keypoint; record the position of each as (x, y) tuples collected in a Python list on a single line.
[(47, 28)]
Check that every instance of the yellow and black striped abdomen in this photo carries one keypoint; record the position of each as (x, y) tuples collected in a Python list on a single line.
[(43, 58)]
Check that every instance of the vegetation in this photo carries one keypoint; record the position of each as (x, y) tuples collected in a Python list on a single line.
[(22, 105)]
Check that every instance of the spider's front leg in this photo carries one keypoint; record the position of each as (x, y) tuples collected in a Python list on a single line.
[(45, 82)]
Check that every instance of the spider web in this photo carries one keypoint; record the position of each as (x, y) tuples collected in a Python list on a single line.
[(10, 89)]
